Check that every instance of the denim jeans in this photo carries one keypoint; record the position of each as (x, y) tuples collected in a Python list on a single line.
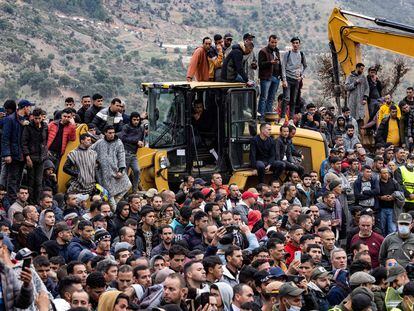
[(268, 89), (387, 221), (131, 161)]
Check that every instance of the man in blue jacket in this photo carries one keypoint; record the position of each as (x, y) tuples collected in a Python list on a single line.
[(11, 146)]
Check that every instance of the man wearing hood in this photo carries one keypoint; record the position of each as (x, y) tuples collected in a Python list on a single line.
[(44, 232), (121, 215), (404, 175), (224, 295), (81, 165), (84, 241), (111, 173), (233, 69), (357, 87), (112, 301), (132, 136), (346, 114)]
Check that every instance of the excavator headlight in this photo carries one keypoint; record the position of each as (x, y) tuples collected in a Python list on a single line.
[(164, 163)]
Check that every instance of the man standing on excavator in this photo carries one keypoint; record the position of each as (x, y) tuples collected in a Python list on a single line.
[(356, 85)]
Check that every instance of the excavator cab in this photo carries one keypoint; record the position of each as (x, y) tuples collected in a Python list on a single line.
[(196, 129)]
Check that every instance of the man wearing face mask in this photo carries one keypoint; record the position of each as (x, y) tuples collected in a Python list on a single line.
[(290, 297), (398, 245), (404, 175), (408, 298), (397, 278)]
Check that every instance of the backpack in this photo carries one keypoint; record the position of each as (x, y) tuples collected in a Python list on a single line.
[(302, 57)]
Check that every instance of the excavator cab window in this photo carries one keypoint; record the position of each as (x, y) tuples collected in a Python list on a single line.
[(242, 105), (166, 118)]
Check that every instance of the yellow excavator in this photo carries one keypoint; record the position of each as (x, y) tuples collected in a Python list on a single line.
[(345, 40)]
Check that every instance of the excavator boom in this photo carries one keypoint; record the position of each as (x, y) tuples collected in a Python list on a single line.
[(345, 38)]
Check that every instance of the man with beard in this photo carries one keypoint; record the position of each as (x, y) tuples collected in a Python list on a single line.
[(356, 85), (314, 250), (319, 286), (269, 220), (234, 259), (167, 236), (111, 173), (59, 246), (81, 164), (214, 213), (95, 286), (211, 238), (60, 133), (195, 276), (175, 291)]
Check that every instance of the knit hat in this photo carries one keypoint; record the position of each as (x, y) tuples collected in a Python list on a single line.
[(101, 234), (334, 183)]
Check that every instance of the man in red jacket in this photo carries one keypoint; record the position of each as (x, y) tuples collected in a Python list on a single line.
[(60, 133), (295, 233)]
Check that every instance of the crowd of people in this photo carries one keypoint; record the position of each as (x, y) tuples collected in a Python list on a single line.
[(336, 238)]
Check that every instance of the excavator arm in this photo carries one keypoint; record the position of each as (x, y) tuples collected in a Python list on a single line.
[(345, 41)]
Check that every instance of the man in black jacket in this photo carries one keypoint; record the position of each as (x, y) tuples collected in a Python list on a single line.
[(86, 103), (232, 69), (132, 136), (270, 69), (262, 154), (284, 151), (34, 146), (97, 105)]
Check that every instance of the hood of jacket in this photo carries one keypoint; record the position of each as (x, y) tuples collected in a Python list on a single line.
[(48, 232), (107, 300), (238, 46), (226, 293), (336, 121), (120, 205)]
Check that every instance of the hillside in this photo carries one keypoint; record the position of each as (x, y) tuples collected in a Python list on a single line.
[(52, 49)]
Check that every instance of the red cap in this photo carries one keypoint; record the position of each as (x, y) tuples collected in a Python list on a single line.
[(206, 191), (247, 195)]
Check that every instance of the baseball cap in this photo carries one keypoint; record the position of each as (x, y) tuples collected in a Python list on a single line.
[(405, 218), (199, 181), (394, 272), (290, 289), (276, 272), (207, 191), (247, 195), (24, 103), (23, 253), (319, 272), (408, 289), (248, 35), (361, 277), (228, 36)]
